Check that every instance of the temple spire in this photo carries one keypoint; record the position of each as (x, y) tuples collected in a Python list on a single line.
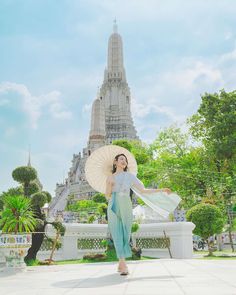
[(115, 27), (115, 66), (29, 158)]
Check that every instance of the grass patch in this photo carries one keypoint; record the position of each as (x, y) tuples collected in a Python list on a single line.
[(217, 257), (224, 254), (32, 262), (61, 262), (111, 257), (225, 251)]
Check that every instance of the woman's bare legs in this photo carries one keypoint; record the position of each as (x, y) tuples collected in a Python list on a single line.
[(122, 265)]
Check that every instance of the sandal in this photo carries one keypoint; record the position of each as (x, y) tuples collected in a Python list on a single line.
[(125, 272)]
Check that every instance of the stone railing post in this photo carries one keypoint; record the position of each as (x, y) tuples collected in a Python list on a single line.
[(179, 233)]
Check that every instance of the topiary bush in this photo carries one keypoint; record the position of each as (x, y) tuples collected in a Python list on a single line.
[(24, 175), (48, 196), (208, 220), (32, 188), (38, 199)]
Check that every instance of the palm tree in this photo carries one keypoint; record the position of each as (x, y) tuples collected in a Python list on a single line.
[(17, 215)]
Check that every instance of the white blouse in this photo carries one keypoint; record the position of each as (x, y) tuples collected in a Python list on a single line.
[(124, 181), (160, 202)]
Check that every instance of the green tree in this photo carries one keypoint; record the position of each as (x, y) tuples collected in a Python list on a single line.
[(1, 204), (87, 207), (139, 149), (38, 200), (83, 208), (171, 140), (208, 220), (99, 198), (101, 209), (84, 205), (214, 125), (17, 215), (27, 177), (14, 191), (174, 164), (123, 143), (91, 218), (60, 231)]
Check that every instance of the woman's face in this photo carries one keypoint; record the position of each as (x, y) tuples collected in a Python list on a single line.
[(121, 162)]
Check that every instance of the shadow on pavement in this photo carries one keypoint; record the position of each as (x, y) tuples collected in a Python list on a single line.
[(108, 280)]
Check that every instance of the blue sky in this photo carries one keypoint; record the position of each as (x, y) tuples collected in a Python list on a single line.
[(52, 59)]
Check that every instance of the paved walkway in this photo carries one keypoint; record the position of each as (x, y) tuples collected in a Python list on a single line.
[(159, 276)]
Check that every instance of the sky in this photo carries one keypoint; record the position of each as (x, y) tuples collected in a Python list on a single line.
[(52, 59)]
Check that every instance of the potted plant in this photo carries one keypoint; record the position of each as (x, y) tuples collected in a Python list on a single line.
[(136, 252), (17, 220)]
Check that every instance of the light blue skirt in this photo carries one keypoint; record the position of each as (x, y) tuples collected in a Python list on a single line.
[(120, 218)]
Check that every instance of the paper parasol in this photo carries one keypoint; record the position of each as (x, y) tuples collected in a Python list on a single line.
[(99, 165)]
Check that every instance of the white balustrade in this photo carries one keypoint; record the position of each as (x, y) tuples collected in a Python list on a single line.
[(179, 234)]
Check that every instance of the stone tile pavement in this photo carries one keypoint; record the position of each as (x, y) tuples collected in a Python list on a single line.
[(158, 276)]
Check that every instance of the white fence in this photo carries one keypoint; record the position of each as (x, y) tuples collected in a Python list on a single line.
[(83, 238)]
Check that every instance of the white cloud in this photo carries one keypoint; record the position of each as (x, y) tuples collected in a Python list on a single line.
[(142, 110), (229, 56), (34, 106), (58, 113), (194, 74), (176, 92), (191, 76)]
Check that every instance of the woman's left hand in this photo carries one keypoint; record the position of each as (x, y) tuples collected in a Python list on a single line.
[(166, 190)]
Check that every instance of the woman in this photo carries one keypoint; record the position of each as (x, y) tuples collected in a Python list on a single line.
[(119, 210)]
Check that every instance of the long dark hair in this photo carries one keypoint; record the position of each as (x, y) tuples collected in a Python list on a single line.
[(116, 158), (125, 169)]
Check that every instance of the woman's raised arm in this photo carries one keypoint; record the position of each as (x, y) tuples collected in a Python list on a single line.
[(137, 183)]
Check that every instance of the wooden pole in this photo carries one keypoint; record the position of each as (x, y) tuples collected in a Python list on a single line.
[(167, 243), (54, 246)]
